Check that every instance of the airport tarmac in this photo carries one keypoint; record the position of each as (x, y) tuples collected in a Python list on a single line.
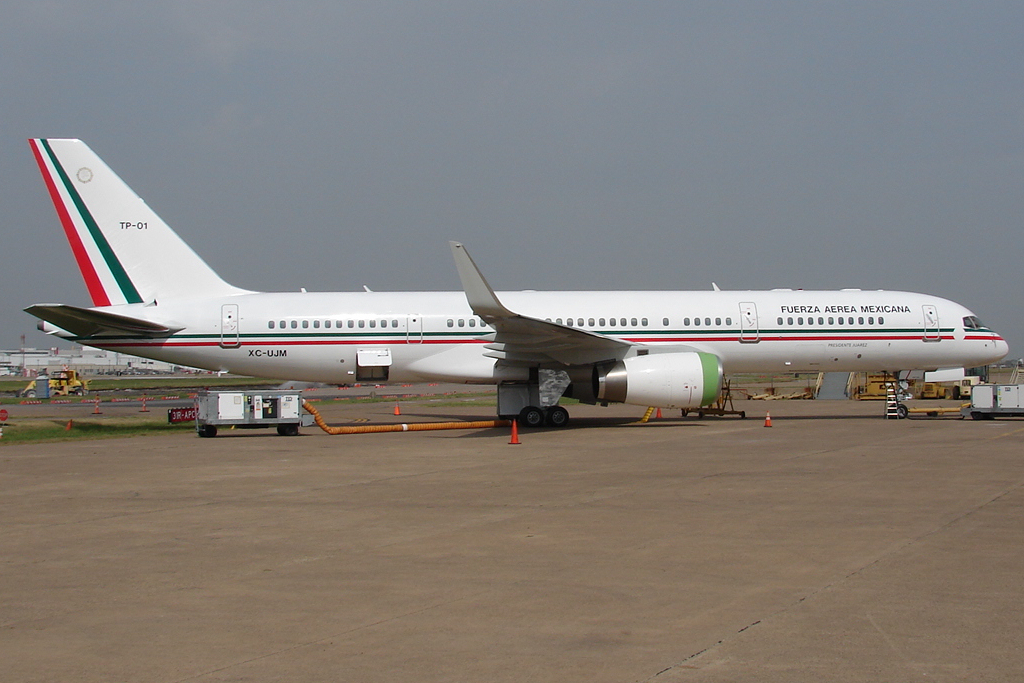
[(835, 545)]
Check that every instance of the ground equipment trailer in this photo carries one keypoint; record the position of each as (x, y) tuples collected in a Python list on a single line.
[(250, 410), (989, 401)]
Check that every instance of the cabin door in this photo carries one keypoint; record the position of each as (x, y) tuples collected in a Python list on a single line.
[(931, 323), (229, 326)]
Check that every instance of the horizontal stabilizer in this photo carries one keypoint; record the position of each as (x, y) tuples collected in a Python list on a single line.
[(88, 322)]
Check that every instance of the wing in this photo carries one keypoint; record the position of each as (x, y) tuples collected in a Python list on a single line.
[(88, 322), (522, 340)]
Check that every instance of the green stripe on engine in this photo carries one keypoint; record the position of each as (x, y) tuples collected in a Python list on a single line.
[(128, 290), (711, 368)]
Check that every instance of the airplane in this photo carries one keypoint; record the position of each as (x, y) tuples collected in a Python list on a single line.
[(154, 297)]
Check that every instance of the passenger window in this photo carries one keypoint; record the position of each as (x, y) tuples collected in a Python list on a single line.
[(718, 322), (305, 324), (799, 321), (664, 321), (362, 324), (590, 321), (780, 321), (831, 320), (351, 323), (579, 322), (316, 324), (611, 322), (871, 320), (281, 325), (728, 321), (686, 322), (472, 322), (271, 324), (451, 323), (462, 322), (295, 323), (643, 322), (789, 321), (850, 320), (860, 321), (707, 321), (622, 322), (881, 320), (821, 321), (840, 320), (373, 323), (327, 323)]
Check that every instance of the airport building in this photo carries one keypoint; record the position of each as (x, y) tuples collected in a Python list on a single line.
[(29, 362)]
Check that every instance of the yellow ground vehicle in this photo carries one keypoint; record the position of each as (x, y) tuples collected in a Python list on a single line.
[(875, 388), (935, 390), (62, 383)]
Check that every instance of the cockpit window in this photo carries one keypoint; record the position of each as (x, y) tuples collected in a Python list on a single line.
[(971, 322)]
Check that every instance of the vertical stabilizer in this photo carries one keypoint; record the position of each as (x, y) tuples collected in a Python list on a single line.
[(126, 253)]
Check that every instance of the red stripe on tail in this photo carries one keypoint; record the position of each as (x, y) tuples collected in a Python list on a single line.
[(92, 280)]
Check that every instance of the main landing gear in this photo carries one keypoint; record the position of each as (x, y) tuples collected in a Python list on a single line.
[(553, 416), (534, 404)]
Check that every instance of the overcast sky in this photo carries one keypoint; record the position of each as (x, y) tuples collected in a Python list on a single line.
[(569, 145)]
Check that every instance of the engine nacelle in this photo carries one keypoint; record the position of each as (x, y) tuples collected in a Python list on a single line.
[(666, 380)]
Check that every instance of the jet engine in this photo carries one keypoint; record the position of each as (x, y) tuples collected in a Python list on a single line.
[(665, 380)]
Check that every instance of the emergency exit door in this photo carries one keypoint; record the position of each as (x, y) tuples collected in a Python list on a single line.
[(749, 330)]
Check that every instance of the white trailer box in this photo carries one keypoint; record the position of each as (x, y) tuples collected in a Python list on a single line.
[(251, 410)]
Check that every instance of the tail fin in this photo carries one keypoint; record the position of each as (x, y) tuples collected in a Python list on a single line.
[(126, 253)]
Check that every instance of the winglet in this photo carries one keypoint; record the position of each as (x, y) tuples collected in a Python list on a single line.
[(481, 297)]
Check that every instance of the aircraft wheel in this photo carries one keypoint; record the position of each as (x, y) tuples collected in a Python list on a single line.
[(207, 431), (901, 412), (288, 430), (31, 393), (531, 417), (557, 416)]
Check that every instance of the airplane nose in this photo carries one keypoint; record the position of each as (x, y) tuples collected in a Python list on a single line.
[(1002, 348)]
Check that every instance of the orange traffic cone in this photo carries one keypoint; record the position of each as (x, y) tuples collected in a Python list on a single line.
[(767, 419), (144, 408), (67, 428), (657, 415), (515, 433), (96, 410), (398, 411)]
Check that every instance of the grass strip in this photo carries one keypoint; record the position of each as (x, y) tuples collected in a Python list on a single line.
[(40, 431)]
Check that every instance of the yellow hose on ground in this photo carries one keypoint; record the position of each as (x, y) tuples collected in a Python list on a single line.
[(415, 427)]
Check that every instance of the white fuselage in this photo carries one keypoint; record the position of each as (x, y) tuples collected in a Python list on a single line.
[(431, 336)]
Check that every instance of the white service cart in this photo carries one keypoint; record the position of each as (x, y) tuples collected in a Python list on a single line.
[(250, 410)]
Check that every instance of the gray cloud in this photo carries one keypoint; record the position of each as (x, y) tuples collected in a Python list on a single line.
[(569, 145)]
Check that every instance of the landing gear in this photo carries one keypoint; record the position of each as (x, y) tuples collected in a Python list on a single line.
[(531, 417), (556, 416), (531, 404)]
